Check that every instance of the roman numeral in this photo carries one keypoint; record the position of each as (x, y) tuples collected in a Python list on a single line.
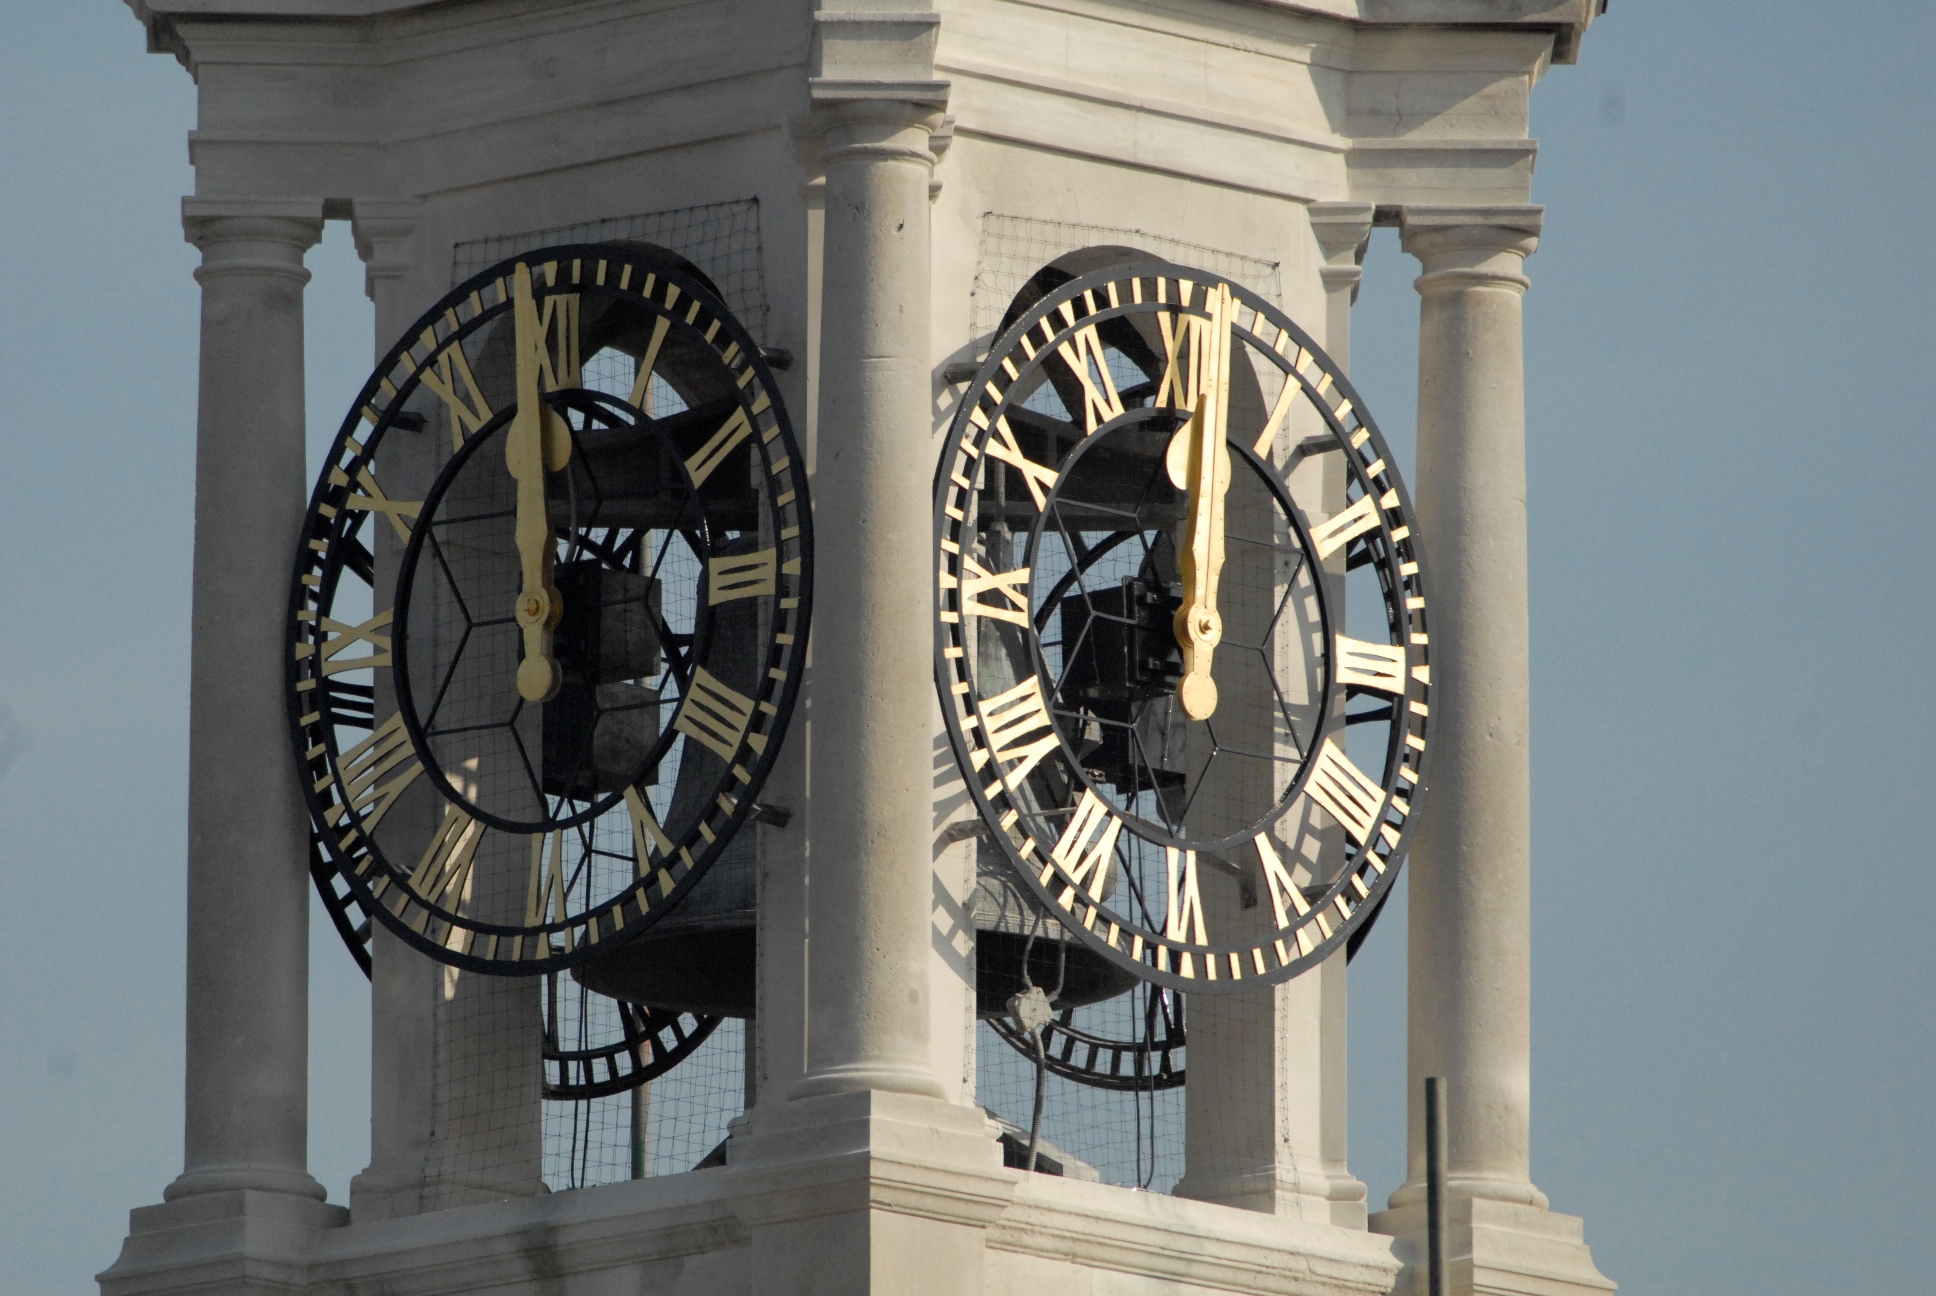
[(976, 580), (445, 870), (372, 500), (1281, 885), (1371, 666), (449, 375), (366, 791), (647, 836), (343, 635), (1084, 356), (1344, 790), (1331, 535), (1012, 717), (709, 456), (1001, 445), (739, 576), (641, 397), (559, 365), (1183, 920), (544, 896), (1088, 847), (713, 715), (1182, 343)]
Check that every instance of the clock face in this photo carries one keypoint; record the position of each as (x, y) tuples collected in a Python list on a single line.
[(1150, 509), (550, 609)]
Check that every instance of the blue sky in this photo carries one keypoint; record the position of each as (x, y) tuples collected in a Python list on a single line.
[(1729, 347)]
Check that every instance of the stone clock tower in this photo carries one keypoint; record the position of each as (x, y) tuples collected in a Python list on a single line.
[(879, 185)]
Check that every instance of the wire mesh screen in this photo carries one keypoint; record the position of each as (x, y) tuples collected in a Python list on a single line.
[(665, 1126), (722, 239), (1130, 1137), (1013, 248), (490, 1074)]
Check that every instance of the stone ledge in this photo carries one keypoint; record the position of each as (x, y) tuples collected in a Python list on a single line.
[(1173, 1239), (1497, 1249)]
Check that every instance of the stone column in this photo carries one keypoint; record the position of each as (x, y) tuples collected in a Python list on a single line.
[(1470, 975), (247, 1098), (1265, 1109), (404, 984), (1342, 230), (1471, 917), (870, 885)]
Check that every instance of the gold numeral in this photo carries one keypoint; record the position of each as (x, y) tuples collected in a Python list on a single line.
[(1331, 535), (1010, 585), (384, 752), (342, 636), (713, 715), (445, 869), (709, 456), (641, 397), (1370, 665), (1012, 717), (647, 836), (544, 897), (1183, 921), (1084, 356), (741, 576), (1088, 847), (559, 365), (1344, 790), (469, 411), (372, 500), (1182, 337), (1280, 883), (1001, 445)]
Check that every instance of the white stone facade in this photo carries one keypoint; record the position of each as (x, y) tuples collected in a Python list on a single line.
[(891, 151)]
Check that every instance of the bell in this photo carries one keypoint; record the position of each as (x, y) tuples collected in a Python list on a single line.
[(1018, 944), (700, 958)]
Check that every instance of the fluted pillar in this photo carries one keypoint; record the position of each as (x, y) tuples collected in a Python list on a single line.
[(870, 883), (247, 1098)]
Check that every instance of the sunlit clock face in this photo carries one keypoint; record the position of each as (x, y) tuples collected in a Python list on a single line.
[(1158, 502), (550, 608)]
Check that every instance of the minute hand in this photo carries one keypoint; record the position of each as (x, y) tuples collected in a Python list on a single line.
[(538, 607), (1199, 625)]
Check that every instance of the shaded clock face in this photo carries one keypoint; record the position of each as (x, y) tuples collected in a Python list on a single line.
[(550, 608), (1156, 504)]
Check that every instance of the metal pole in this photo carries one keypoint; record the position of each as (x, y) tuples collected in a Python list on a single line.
[(1436, 1151)]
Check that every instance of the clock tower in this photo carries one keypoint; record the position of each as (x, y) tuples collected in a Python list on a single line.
[(1009, 340)]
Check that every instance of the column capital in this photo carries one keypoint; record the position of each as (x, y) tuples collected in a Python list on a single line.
[(263, 237), (1471, 247), (864, 130), (298, 221), (1341, 229), (866, 53), (383, 228)]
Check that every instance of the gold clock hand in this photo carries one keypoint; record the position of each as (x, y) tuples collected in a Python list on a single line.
[(538, 606), (1206, 463)]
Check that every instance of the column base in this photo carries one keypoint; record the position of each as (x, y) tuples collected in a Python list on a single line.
[(1495, 1248), (865, 1192), (1322, 1197), (238, 1243)]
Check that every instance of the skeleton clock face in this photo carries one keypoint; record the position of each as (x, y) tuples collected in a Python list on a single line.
[(1147, 514), (549, 609)]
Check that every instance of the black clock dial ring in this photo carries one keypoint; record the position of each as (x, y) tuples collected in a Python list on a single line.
[(1264, 836), (649, 505)]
